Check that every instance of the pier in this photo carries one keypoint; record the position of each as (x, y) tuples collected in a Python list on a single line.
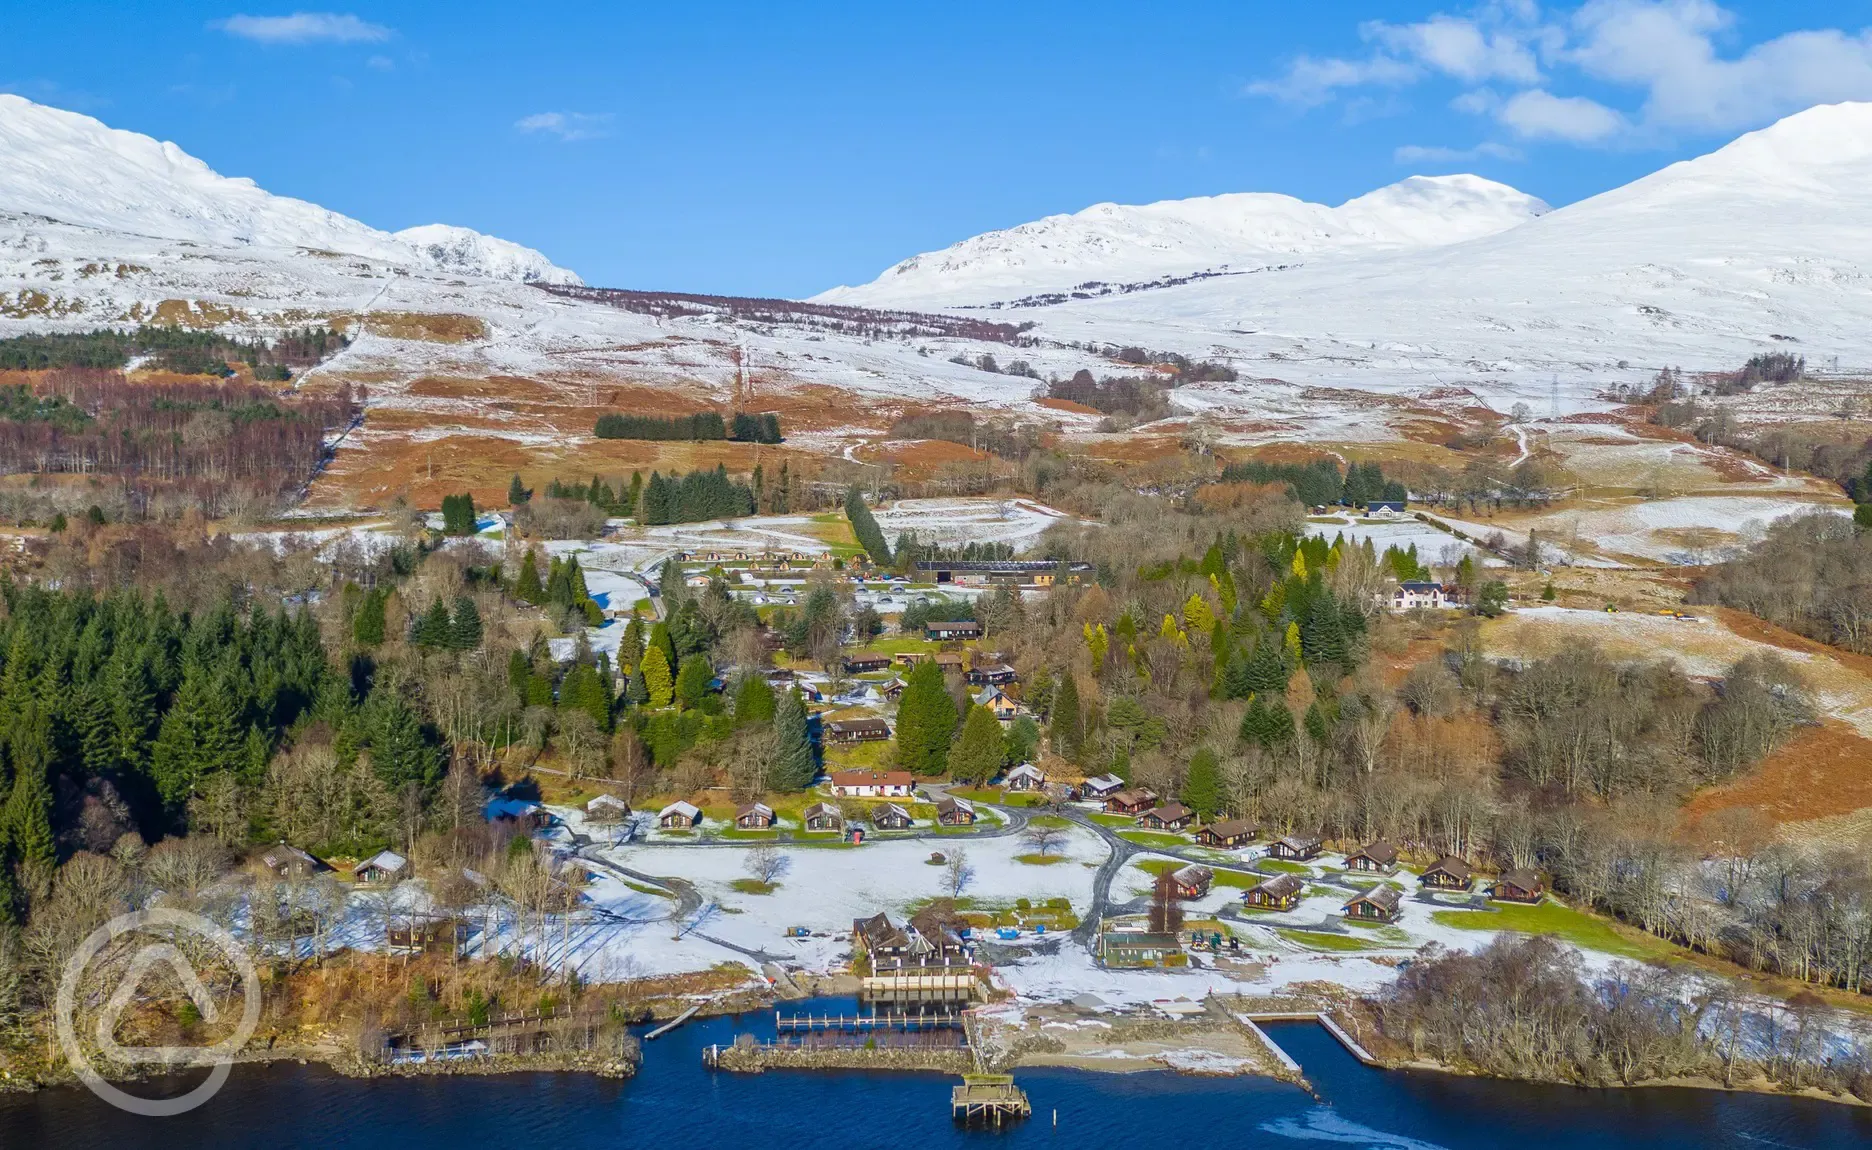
[(673, 1023), (875, 1021), (989, 1098)]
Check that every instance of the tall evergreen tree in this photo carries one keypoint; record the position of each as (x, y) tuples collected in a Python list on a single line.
[(754, 701), (465, 626), (692, 681), (1202, 787), (1068, 725), (865, 527), (793, 768), (367, 626), (433, 629), (657, 682), (527, 586), (975, 756), (517, 492), (28, 817), (926, 721)]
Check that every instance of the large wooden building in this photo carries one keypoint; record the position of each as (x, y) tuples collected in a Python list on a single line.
[(1282, 892)]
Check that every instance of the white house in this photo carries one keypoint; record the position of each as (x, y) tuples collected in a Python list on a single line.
[(1416, 593), (1025, 777), (873, 784), (679, 814)]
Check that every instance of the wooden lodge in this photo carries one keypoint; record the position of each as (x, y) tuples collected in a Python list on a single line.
[(1000, 572), (754, 817), (865, 662), (426, 935), (949, 662), (1379, 904), (954, 812), (1132, 802), (1169, 817), (382, 868), (873, 784), (607, 809), (1377, 858), (1296, 848), (1227, 834), (823, 817), (679, 815), (991, 675), (996, 700), (1135, 948), (857, 731), (1102, 787), (952, 630), (1447, 873), (1192, 881), (288, 861), (890, 817), (1025, 777), (1282, 892), (1519, 885)]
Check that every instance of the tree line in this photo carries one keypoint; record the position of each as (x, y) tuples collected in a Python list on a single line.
[(745, 427), (175, 349), (1321, 483)]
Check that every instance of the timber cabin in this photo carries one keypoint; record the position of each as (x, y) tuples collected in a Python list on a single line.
[(991, 675), (865, 662), (1169, 817), (890, 817), (1192, 881), (1134, 802), (1379, 904), (1138, 948), (1378, 858), (1519, 885), (949, 662), (382, 867), (1282, 892), (289, 861), (1295, 848), (426, 935), (1447, 873), (1227, 834), (953, 812), (873, 784), (954, 629), (1000, 572), (857, 730), (607, 809), (823, 817), (679, 815), (1102, 787), (1025, 777), (996, 700), (754, 817)]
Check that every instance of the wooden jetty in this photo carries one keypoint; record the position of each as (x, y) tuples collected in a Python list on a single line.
[(887, 1020), (990, 1098), (673, 1023)]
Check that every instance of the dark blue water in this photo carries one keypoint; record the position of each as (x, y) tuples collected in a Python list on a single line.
[(674, 1104)]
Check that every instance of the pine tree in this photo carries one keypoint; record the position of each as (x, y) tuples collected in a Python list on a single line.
[(400, 755), (975, 755), (661, 641), (1067, 726), (692, 681), (1202, 787), (793, 768), (367, 627), (1268, 723), (657, 682), (433, 629), (865, 527), (465, 627), (754, 701), (517, 492), (527, 586), (926, 721), (631, 646), (636, 689), (28, 817)]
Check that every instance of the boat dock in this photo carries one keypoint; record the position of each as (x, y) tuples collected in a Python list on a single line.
[(888, 1020), (673, 1023), (989, 1098)]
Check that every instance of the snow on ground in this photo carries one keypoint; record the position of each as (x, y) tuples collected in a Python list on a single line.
[(1434, 548), (953, 521), (1668, 529)]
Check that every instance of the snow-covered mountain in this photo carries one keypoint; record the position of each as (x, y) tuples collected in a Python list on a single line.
[(1118, 244), (77, 170)]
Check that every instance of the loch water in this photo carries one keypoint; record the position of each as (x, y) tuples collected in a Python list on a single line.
[(674, 1102)]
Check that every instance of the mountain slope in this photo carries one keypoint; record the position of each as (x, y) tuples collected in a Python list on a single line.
[(1126, 244), (74, 169)]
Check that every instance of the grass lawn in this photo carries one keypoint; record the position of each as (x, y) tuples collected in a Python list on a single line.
[(1039, 860), (860, 756), (1049, 821), (738, 835), (899, 644), (754, 886), (649, 890), (977, 794), (1319, 940), (1153, 839), (1283, 866), (1589, 932)]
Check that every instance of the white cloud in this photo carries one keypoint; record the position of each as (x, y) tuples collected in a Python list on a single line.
[(1310, 81), (1539, 114), (1462, 48), (567, 126), (1418, 154), (304, 28), (1668, 49)]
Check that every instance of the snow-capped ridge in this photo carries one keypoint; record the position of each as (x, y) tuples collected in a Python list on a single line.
[(75, 169), (1120, 243)]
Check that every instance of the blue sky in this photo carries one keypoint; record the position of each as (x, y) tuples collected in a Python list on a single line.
[(780, 149)]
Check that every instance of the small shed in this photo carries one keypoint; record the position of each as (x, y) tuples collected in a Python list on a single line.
[(890, 817), (754, 817), (1192, 881), (1169, 817), (1296, 848), (1447, 873), (954, 812), (607, 809), (1131, 802), (382, 867), (1376, 858), (1379, 904), (823, 817), (1227, 834), (679, 815), (426, 935), (1025, 777), (1519, 885), (1282, 892)]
